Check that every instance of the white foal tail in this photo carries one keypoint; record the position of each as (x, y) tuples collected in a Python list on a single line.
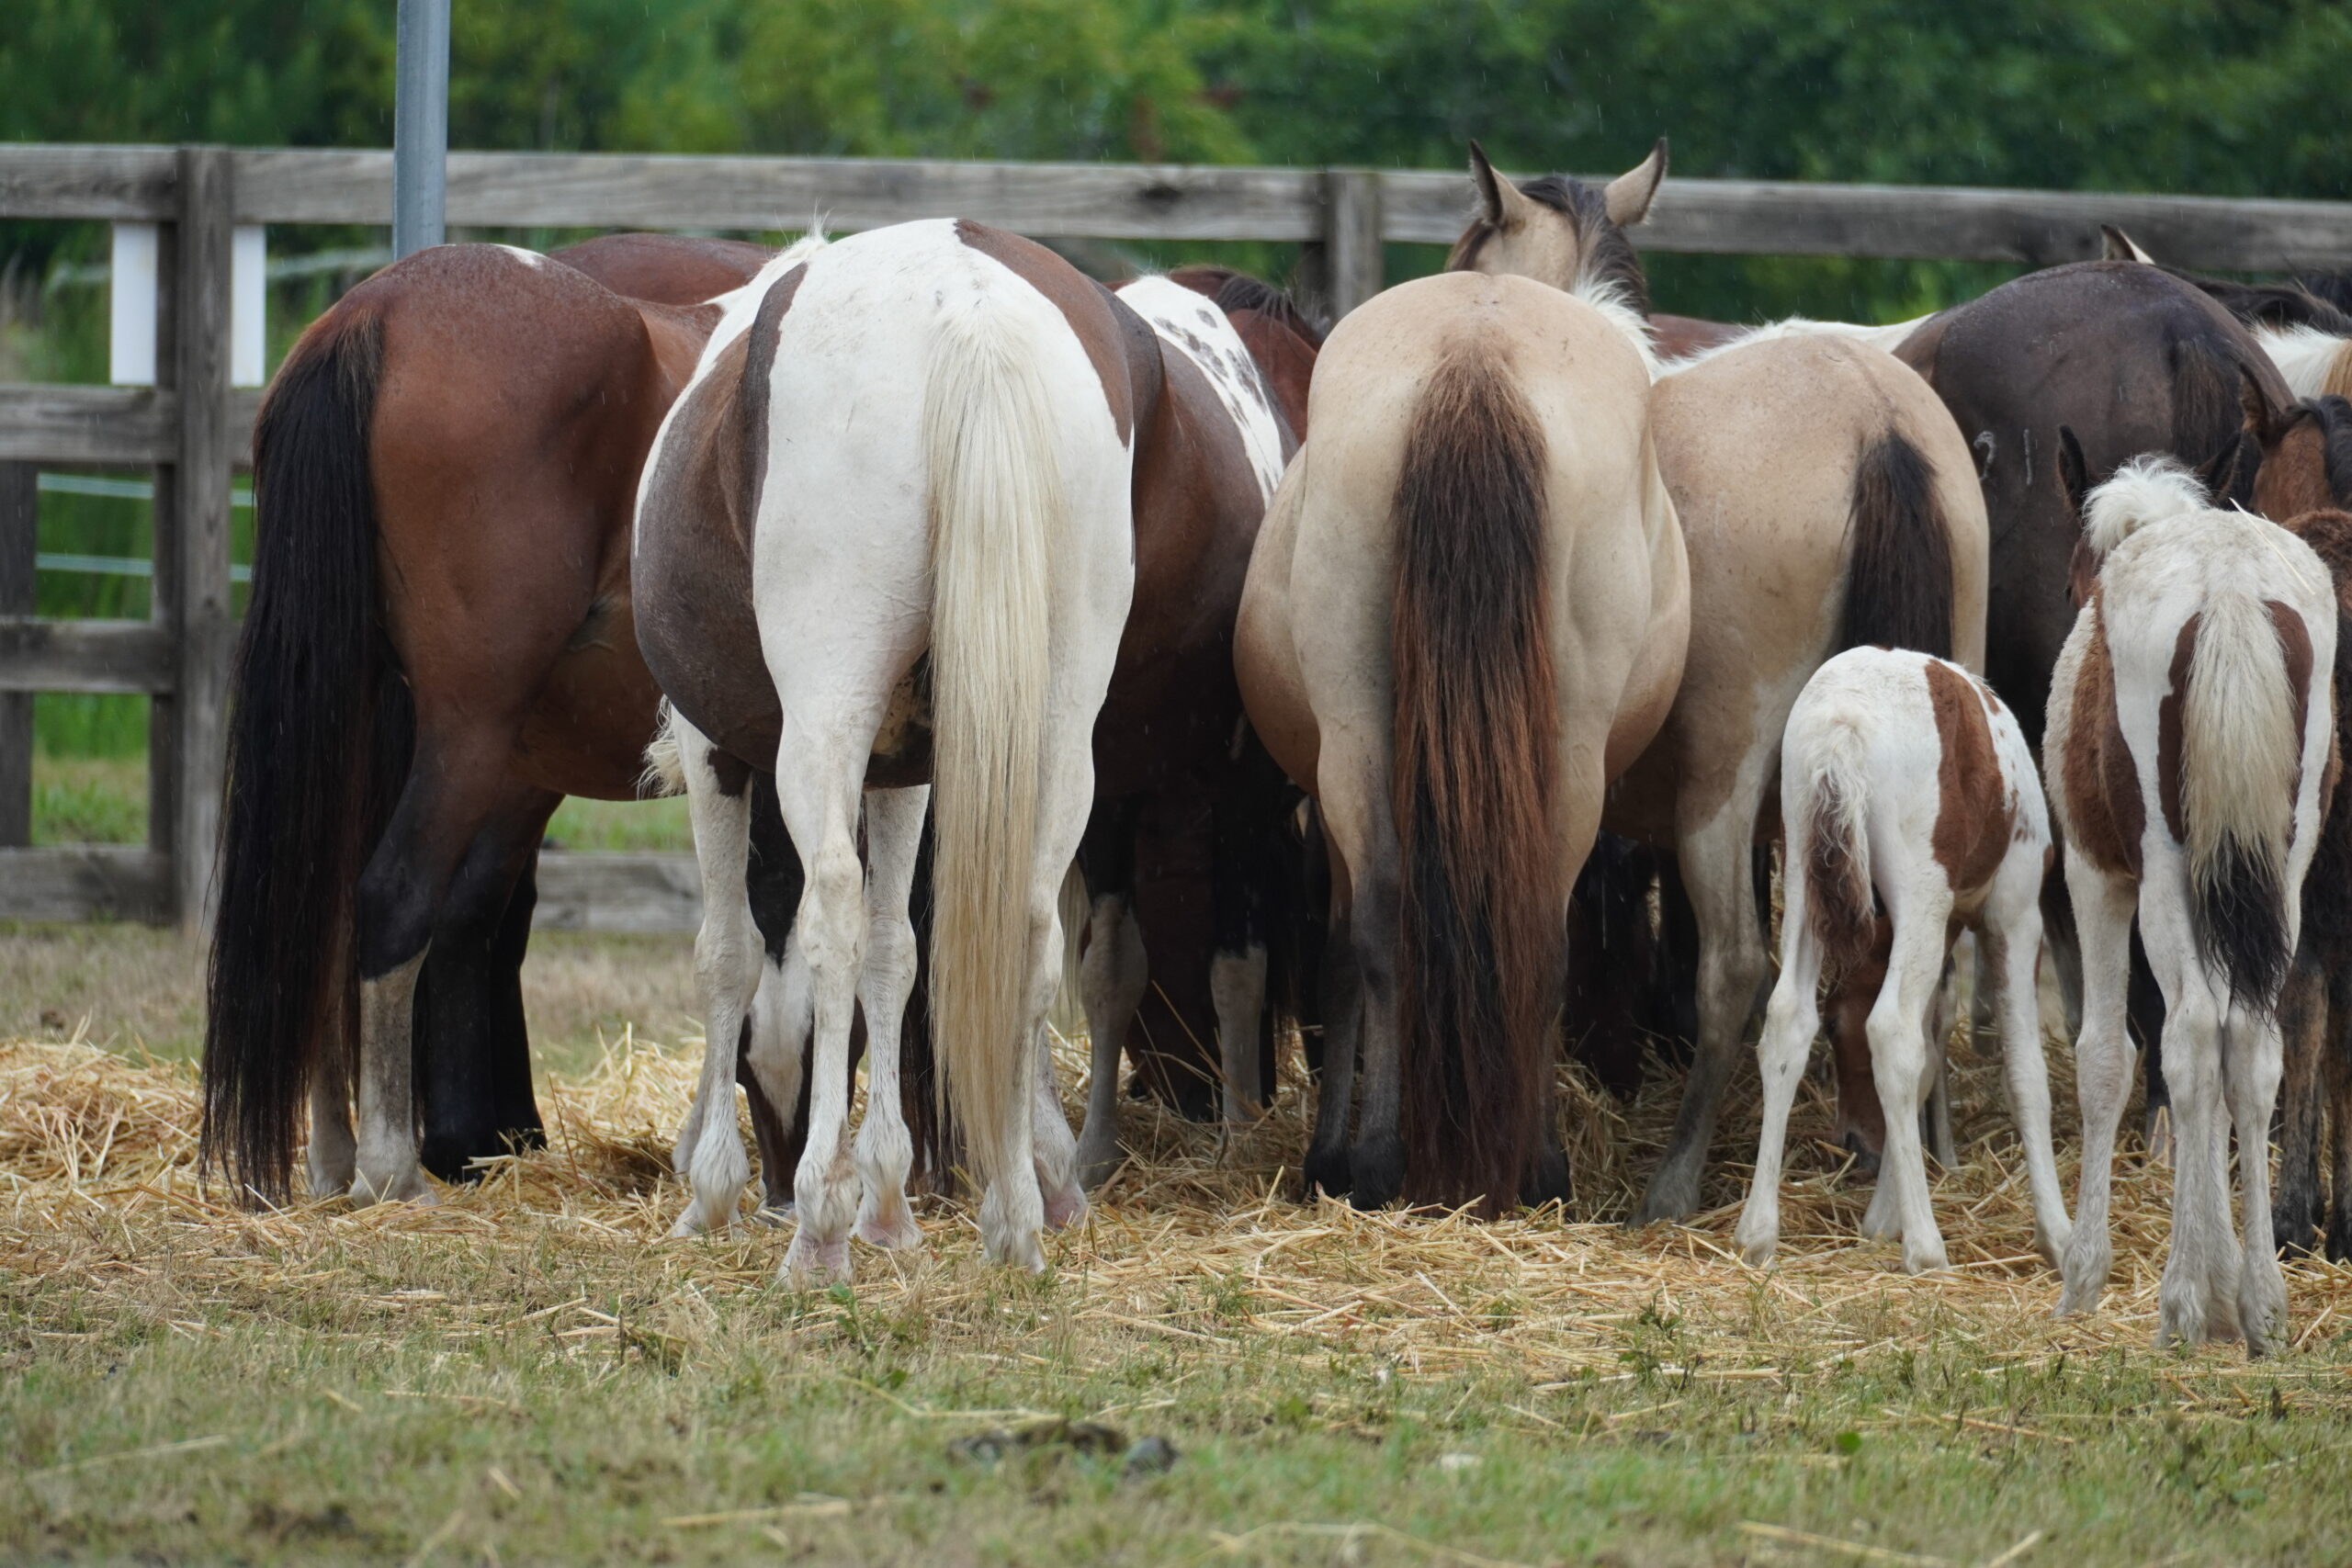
[(1838, 840), (998, 516), (2242, 752), (2143, 490)]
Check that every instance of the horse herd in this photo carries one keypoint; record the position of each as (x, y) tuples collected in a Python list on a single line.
[(1435, 684)]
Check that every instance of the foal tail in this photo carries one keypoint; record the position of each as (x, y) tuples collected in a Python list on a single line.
[(2240, 762), (1899, 577), (1837, 896), (998, 516), (319, 731), (1480, 921)]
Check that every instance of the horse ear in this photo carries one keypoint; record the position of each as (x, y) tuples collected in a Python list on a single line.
[(1628, 197), (2072, 472), (1499, 201), (2116, 245)]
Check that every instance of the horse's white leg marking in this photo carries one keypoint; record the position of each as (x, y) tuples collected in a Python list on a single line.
[(894, 819), (780, 1019), (1731, 960), (709, 1155), (1942, 1016), (1900, 1058), (2011, 947), (331, 1163), (2103, 909), (1057, 1150), (2252, 1064), (820, 810), (1111, 976), (1237, 986), (1790, 1023), (2198, 1297), (385, 1168)]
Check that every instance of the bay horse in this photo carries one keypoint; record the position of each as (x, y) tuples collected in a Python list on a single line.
[(1912, 808), (1465, 614), (885, 546), (2190, 741), (1826, 503), (439, 649)]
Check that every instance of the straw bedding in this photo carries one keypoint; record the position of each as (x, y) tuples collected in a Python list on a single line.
[(1198, 1246)]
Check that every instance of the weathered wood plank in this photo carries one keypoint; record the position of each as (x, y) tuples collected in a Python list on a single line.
[(618, 893), (86, 180), (105, 427), (1960, 223), (84, 881), (19, 541), (1358, 265), (84, 656), (606, 190), (192, 542)]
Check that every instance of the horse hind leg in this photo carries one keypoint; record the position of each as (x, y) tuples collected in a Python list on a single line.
[(1112, 975), (894, 825), (773, 1066), (331, 1151), (1326, 1169), (710, 1154), (2102, 906), (2250, 1073), (2335, 1073), (2303, 1026)]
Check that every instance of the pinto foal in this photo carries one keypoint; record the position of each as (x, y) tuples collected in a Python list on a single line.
[(1912, 811), (2191, 729)]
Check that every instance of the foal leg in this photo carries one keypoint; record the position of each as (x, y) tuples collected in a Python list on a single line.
[(819, 800), (1057, 1151), (2198, 1299), (1789, 1025), (710, 1154), (2250, 1071), (893, 823), (1900, 1056), (2102, 909), (1112, 975), (1716, 865), (2303, 1026), (2010, 943)]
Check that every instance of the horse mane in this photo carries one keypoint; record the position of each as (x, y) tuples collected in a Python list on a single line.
[(1887, 337), (2273, 304), (2335, 287), (1230, 291), (2150, 489)]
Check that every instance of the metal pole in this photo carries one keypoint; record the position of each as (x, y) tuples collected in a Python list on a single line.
[(420, 125)]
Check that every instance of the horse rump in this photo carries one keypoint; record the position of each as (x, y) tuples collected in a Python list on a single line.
[(319, 732), (1899, 565), (1480, 931)]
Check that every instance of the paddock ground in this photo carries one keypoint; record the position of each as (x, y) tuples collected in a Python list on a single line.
[(530, 1373)]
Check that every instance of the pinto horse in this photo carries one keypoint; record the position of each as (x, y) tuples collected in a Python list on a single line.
[(440, 647), (885, 546), (1465, 614), (2191, 733), (1825, 502)]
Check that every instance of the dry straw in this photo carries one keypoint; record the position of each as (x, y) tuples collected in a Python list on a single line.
[(1198, 1247)]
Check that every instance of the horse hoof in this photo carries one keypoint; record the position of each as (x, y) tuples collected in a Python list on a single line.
[(1669, 1198), (1377, 1165), (1065, 1208), (1326, 1172), (810, 1263), (892, 1233), (1096, 1165), (409, 1187)]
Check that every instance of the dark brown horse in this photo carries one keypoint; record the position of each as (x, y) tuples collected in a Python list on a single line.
[(439, 649)]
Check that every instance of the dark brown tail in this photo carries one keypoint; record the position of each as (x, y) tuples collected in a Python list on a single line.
[(319, 732), (1899, 582), (1479, 928), (2208, 407)]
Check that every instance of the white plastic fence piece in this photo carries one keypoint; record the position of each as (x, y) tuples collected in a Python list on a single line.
[(248, 305), (130, 343)]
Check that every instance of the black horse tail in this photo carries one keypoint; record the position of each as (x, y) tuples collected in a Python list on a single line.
[(2208, 407), (1899, 578), (319, 731)]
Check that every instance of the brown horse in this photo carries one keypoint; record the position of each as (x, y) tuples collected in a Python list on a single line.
[(1826, 504), (1465, 614), (440, 647)]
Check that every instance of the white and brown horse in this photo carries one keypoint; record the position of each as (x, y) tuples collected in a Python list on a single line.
[(1913, 810), (886, 547), (1827, 501), (2189, 751), (1465, 614)]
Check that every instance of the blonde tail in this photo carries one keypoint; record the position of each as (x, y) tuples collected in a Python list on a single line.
[(998, 516)]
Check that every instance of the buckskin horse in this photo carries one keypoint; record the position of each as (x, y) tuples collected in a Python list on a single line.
[(440, 647), (1824, 502), (1465, 614)]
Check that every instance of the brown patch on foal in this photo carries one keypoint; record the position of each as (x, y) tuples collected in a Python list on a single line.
[(1975, 811), (2295, 645), (2101, 779), (2169, 721)]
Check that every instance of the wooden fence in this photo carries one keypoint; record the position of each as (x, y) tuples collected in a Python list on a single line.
[(193, 430)]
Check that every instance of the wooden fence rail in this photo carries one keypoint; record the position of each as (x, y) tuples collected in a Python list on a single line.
[(193, 430)]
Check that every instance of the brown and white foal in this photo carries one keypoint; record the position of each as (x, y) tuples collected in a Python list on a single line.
[(1912, 811)]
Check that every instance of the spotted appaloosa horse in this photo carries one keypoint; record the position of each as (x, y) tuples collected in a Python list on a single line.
[(1912, 810), (2189, 743), (440, 647), (1465, 614), (1826, 501)]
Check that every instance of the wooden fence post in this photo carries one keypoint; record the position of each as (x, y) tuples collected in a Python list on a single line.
[(1357, 267), (19, 523), (192, 536)]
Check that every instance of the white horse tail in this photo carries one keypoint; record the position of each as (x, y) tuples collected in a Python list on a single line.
[(2241, 757), (999, 515), (1837, 843)]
